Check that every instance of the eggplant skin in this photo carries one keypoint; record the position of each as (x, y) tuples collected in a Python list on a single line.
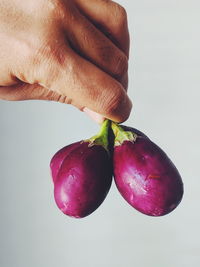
[(83, 180), (146, 178), (58, 159)]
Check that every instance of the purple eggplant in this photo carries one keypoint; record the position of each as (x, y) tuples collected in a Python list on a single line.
[(82, 175), (58, 159), (144, 175)]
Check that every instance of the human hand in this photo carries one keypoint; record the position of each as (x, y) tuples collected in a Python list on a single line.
[(71, 51)]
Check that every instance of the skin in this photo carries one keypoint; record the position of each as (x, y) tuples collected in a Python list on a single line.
[(146, 177), (70, 51), (83, 179), (59, 157)]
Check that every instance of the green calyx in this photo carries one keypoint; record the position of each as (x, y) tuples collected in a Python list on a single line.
[(102, 137), (121, 135)]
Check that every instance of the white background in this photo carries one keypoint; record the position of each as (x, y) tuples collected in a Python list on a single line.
[(164, 87)]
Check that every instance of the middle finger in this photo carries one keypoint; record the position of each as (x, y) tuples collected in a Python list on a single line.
[(94, 46)]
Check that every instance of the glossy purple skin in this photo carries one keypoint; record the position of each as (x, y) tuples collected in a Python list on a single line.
[(83, 180), (146, 177), (58, 159)]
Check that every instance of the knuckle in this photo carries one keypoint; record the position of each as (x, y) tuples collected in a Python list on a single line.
[(124, 81), (45, 60), (107, 55), (121, 66), (120, 14), (27, 60), (113, 60), (46, 10), (113, 101), (29, 51), (54, 9), (51, 52)]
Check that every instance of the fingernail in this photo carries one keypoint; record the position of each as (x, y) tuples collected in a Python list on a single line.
[(95, 116)]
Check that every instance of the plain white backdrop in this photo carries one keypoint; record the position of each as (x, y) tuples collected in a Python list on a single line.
[(164, 86)]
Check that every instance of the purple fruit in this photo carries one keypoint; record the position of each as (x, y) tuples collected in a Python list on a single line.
[(58, 159), (82, 174), (144, 175)]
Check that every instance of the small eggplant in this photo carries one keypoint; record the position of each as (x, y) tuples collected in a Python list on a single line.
[(144, 175), (59, 157), (82, 175)]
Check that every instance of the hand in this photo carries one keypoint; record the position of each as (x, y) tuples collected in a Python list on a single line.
[(74, 52)]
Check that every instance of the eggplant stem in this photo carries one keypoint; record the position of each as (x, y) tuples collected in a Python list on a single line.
[(102, 137), (121, 135)]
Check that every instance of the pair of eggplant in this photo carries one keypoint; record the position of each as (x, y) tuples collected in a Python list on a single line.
[(144, 175)]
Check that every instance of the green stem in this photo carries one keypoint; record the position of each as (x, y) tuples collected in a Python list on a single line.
[(121, 135), (102, 137)]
